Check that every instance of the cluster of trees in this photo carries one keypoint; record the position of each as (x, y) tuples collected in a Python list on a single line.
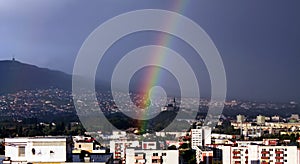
[(285, 139), (226, 128)]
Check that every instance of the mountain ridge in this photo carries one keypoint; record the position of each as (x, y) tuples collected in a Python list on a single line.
[(16, 76)]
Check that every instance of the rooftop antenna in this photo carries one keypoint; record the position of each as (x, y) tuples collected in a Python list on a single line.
[(13, 58)]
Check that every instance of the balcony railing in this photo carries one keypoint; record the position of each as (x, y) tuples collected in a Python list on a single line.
[(265, 152), (139, 157), (236, 157), (156, 157), (278, 157)]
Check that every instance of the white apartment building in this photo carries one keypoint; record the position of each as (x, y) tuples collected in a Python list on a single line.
[(278, 155), (118, 147), (200, 137), (134, 156), (149, 145), (36, 149), (197, 138), (259, 154)]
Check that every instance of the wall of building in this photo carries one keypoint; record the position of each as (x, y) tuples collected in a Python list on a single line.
[(147, 156), (46, 150), (36, 150)]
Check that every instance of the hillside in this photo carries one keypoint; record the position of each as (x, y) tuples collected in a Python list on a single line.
[(17, 76)]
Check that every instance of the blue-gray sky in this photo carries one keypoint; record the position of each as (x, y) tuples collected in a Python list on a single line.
[(259, 41)]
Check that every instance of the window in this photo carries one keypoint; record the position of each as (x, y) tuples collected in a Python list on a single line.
[(164, 154), (21, 151), (33, 151), (155, 154), (285, 155), (51, 153)]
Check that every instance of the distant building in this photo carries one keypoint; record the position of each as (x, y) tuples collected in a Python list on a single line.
[(240, 118), (170, 106), (294, 117), (260, 120), (149, 145), (275, 118)]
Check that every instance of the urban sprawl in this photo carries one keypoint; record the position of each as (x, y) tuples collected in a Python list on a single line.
[(33, 131)]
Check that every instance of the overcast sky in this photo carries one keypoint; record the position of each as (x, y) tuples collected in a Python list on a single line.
[(259, 41)]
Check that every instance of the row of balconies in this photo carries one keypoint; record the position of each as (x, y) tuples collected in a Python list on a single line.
[(278, 157)]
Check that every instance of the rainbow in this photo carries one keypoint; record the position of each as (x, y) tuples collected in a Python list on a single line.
[(154, 74)]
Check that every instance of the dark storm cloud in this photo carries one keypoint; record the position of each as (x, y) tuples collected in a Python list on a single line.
[(258, 40)]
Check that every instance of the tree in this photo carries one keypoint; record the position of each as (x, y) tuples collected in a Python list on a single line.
[(172, 147)]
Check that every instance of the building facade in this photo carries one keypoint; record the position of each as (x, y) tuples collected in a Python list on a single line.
[(200, 137), (37, 150), (135, 156)]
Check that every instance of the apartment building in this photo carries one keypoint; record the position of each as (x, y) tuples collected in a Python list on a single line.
[(139, 156), (257, 154), (201, 136), (118, 148), (37, 150)]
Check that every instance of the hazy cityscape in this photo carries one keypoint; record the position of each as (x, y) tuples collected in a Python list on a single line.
[(149, 82), (246, 131)]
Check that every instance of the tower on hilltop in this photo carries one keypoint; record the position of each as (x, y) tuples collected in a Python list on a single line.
[(13, 58)]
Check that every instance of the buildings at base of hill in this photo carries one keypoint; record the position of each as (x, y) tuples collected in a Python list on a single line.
[(81, 149)]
